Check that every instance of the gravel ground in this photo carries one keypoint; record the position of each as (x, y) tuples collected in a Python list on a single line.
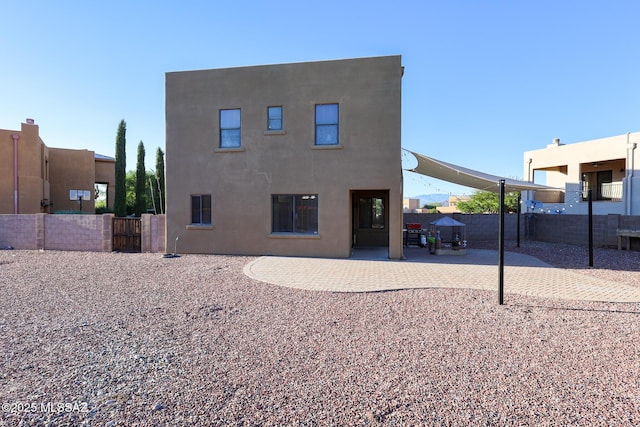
[(114, 339), (608, 263)]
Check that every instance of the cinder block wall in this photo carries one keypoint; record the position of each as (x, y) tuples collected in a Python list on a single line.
[(153, 233), (478, 227), (74, 232), (19, 231), (570, 229), (158, 233), (574, 229)]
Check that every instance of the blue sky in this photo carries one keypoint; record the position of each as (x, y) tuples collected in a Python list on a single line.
[(484, 80)]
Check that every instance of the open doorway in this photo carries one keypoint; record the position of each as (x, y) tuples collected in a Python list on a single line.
[(370, 218), (101, 196)]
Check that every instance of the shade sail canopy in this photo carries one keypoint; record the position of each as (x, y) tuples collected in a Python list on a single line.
[(447, 221), (469, 177)]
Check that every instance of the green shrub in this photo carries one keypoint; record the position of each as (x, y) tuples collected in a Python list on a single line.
[(71, 212), (103, 210)]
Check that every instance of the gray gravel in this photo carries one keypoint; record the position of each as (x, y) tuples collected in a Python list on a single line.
[(135, 339)]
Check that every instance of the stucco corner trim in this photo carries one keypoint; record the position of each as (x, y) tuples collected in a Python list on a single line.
[(228, 150), (293, 236), (200, 227), (327, 147)]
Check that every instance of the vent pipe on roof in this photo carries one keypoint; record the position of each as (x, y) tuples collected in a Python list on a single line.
[(556, 141)]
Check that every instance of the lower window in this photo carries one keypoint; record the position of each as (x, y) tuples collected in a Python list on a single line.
[(201, 209), (294, 213)]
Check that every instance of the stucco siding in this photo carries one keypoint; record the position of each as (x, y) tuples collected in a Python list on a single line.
[(242, 182)]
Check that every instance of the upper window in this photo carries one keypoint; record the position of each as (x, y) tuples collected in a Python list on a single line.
[(274, 118), (327, 124), (294, 213), (201, 209), (230, 128)]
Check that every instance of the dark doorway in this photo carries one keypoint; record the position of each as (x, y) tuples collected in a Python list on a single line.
[(370, 218)]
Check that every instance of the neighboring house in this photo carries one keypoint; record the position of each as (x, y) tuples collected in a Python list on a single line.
[(292, 159), (410, 205), (35, 178), (452, 206), (609, 167)]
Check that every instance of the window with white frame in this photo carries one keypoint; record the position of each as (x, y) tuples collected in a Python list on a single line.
[(327, 124), (230, 128), (201, 209), (274, 118), (294, 213)]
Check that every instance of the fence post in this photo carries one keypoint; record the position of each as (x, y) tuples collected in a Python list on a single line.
[(40, 231), (107, 232), (145, 233)]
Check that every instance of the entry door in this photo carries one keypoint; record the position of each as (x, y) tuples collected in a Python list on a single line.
[(370, 218)]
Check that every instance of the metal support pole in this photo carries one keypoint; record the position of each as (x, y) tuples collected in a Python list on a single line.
[(501, 246), (518, 222), (590, 200)]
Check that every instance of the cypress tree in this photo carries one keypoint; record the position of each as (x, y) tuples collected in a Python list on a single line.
[(120, 200), (160, 181), (141, 183)]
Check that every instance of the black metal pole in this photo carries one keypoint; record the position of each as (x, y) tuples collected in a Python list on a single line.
[(518, 222), (590, 200), (501, 246)]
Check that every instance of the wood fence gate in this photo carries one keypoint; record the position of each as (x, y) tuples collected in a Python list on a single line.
[(127, 235)]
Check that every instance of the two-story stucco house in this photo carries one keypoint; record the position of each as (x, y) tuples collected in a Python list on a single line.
[(609, 167), (35, 178), (293, 159)]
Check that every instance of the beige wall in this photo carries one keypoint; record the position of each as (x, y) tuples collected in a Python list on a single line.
[(241, 182), (71, 170), (33, 185), (47, 174)]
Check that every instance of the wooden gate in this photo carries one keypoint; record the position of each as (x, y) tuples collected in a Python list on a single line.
[(127, 235)]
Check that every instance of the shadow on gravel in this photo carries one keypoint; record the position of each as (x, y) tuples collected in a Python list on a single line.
[(563, 255), (594, 310)]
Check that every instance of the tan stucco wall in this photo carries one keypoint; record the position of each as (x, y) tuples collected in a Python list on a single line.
[(6, 172), (33, 186), (71, 170), (241, 182), (47, 174)]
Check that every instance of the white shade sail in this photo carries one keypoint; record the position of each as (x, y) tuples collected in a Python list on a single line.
[(469, 177)]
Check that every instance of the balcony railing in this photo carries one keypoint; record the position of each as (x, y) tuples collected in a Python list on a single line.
[(609, 191)]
